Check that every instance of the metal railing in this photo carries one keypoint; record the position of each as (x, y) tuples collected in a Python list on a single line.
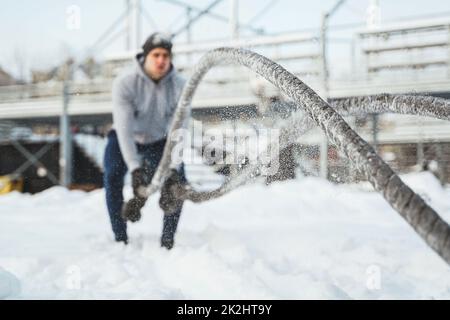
[(299, 52)]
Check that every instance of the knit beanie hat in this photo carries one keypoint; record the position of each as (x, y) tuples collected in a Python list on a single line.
[(157, 40)]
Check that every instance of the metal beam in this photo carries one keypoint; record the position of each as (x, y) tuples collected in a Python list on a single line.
[(65, 150), (149, 18), (258, 15), (33, 160), (324, 30), (215, 16), (108, 31), (234, 19), (197, 17)]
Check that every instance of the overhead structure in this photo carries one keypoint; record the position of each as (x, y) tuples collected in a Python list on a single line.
[(192, 8)]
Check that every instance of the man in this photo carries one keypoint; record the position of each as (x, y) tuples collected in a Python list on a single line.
[(144, 101)]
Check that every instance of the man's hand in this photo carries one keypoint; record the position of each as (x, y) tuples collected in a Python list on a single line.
[(138, 181), (131, 210)]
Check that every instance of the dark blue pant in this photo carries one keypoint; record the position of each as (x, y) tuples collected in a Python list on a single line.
[(114, 174)]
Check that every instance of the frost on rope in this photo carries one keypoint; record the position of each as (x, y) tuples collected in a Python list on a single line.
[(424, 220), (403, 104), (417, 105)]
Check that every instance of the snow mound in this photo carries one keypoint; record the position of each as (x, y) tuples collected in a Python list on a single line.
[(9, 285), (428, 187)]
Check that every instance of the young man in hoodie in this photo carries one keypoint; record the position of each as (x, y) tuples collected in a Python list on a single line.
[(144, 100)]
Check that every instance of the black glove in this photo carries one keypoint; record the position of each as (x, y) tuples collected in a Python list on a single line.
[(138, 180), (132, 209), (168, 201)]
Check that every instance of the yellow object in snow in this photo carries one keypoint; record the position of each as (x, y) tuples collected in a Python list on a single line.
[(9, 183)]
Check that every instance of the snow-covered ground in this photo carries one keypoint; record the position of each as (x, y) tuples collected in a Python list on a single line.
[(299, 239)]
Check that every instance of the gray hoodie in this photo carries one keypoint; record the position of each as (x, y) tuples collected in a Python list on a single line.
[(143, 109)]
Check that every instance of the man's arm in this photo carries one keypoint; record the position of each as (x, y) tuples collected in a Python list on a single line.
[(123, 116)]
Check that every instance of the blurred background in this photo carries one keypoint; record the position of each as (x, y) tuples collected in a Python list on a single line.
[(58, 61)]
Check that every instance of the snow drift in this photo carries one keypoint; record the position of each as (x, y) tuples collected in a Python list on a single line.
[(299, 239)]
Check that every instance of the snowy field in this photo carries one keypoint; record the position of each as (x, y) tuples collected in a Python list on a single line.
[(302, 239)]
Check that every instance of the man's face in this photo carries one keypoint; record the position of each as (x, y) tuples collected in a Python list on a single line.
[(157, 63)]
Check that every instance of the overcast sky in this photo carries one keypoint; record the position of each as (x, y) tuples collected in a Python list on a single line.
[(38, 32)]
